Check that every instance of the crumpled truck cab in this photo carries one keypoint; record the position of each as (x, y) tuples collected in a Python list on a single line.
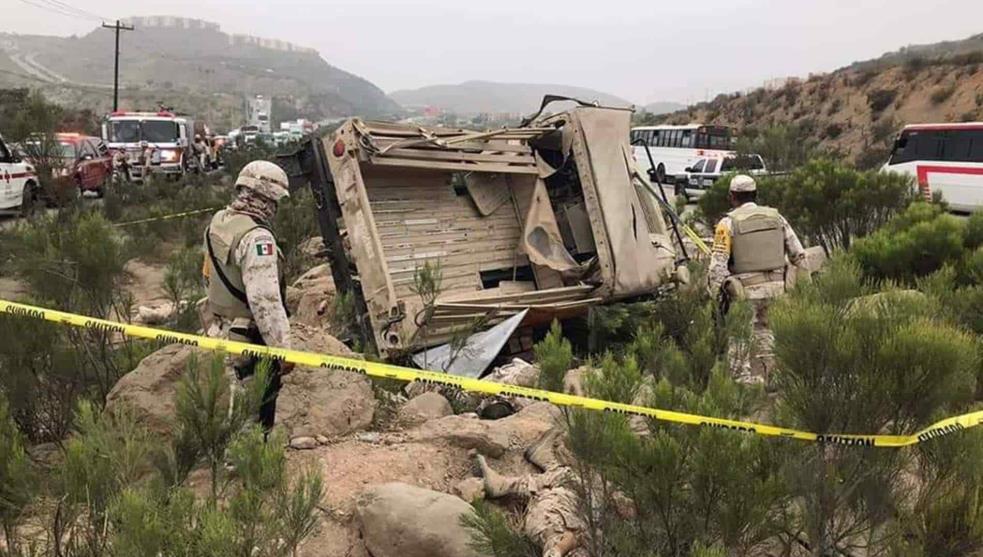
[(550, 217)]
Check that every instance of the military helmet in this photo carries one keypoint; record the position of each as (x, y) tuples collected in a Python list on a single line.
[(266, 179)]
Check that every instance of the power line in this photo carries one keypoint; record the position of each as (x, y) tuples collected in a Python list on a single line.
[(80, 11), (54, 8)]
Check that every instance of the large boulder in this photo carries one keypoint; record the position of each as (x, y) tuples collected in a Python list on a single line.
[(491, 437), (317, 401), (400, 520), (148, 391), (422, 408), (311, 298), (312, 401)]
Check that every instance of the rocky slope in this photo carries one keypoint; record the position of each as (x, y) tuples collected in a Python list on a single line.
[(857, 110)]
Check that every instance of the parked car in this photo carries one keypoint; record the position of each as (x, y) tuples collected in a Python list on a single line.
[(87, 163), (19, 185), (705, 172)]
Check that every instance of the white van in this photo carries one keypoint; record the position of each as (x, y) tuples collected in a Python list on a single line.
[(19, 186)]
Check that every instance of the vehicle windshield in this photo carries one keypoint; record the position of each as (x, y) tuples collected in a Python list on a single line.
[(160, 131), (65, 150), (124, 131), (134, 131)]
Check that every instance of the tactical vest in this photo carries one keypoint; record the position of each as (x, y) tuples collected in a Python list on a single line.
[(226, 290), (758, 239)]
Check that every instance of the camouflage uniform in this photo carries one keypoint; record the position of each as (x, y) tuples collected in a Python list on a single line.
[(553, 512), (759, 288), (245, 288)]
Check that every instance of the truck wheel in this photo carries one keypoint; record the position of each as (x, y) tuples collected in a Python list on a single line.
[(681, 191), (30, 200), (660, 173)]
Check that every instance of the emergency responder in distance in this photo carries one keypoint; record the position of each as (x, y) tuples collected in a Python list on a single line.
[(752, 245), (243, 269)]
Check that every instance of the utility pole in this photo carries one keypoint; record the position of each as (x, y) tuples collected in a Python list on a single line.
[(118, 27)]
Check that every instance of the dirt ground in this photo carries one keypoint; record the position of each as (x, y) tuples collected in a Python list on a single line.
[(145, 282)]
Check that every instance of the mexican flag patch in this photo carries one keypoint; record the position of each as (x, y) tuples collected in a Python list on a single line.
[(264, 248)]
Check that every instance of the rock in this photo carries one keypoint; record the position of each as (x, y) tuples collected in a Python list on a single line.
[(470, 489), (312, 247), (573, 381), (322, 439), (324, 402), (491, 437), (316, 401), (148, 391), (311, 298), (425, 407), (368, 437), (400, 520), (303, 443), (310, 338)]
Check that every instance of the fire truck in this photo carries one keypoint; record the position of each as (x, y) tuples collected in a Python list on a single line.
[(150, 142)]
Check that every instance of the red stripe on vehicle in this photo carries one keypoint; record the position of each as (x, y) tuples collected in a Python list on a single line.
[(924, 170), (21, 175)]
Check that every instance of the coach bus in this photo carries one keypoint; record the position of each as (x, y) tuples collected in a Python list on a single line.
[(944, 158), (676, 148)]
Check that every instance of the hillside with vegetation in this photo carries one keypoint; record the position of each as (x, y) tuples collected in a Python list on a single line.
[(856, 111), (196, 70)]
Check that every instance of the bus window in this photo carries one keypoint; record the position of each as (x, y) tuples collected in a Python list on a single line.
[(702, 141), (976, 146), (686, 139)]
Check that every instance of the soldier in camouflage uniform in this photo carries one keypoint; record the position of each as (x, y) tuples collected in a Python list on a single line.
[(553, 511), (752, 245), (243, 272)]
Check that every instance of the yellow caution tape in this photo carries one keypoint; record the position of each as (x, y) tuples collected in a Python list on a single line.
[(696, 239), (381, 370), (168, 217)]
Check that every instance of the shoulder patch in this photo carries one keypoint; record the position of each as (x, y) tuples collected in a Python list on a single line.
[(265, 247), (721, 239)]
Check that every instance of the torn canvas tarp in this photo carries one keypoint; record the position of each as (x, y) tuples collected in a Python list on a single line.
[(477, 353)]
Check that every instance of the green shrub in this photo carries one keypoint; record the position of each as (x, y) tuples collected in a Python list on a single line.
[(825, 202), (555, 357), (18, 481), (879, 99), (916, 243), (942, 94), (493, 535), (885, 363)]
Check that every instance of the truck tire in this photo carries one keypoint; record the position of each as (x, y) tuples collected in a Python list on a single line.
[(660, 173), (30, 200)]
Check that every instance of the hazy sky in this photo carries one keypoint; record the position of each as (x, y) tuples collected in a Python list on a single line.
[(642, 50)]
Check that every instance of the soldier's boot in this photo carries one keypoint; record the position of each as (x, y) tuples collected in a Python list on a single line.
[(542, 452), (496, 485)]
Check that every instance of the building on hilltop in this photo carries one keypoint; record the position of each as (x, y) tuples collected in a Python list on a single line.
[(175, 22), (172, 22)]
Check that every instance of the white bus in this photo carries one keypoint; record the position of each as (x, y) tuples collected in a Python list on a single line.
[(946, 158), (676, 148)]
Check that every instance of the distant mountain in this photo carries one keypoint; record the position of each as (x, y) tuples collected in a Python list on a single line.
[(663, 107), (474, 97), (184, 61)]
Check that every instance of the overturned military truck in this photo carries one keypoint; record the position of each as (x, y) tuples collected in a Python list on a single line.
[(525, 224)]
